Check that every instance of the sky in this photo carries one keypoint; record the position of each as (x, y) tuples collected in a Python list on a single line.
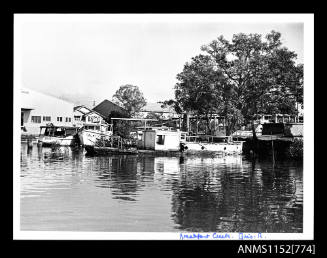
[(87, 57)]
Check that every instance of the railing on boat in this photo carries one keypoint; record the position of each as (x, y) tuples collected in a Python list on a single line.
[(207, 138), (114, 141)]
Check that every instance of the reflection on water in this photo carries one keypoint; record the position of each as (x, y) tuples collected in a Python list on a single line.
[(70, 191)]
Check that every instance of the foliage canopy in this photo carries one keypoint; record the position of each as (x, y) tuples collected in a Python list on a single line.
[(240, 78), (130, 97)]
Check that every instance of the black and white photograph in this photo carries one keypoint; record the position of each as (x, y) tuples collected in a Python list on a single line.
[(163, 126)]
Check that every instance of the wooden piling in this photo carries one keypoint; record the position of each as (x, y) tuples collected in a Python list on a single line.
[(272, 148), (29, 142)]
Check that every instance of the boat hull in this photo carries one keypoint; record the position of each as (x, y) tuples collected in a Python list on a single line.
[(90, 137), (92, 150), (224, 148), (62, 141)]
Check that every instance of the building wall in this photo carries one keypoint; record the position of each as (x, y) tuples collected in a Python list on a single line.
[(171, 142), (37, 104)]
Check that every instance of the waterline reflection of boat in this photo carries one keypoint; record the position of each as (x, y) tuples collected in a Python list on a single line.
[(57, 135)]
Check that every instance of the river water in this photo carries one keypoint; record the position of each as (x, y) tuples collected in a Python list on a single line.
[(74, 192)]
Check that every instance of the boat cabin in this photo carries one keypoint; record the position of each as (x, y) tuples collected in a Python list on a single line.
[(206, 138), (98, 127), (263, 118), (156, 139), (285, 118), (278, 118), (57, 131)]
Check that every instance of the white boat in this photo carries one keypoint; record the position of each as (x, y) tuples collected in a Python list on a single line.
[(211, 144), (57, 135), (89, 134)]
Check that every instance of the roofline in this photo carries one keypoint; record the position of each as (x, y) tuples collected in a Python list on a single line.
[(47, 94), (91, 110), (112, 103)]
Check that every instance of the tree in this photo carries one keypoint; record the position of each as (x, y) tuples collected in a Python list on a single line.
[(199, 90), (241, 78), (120, 127), (130, 97), (171, 103)]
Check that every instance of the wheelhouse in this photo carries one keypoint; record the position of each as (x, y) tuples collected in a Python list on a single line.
[(57, 131)]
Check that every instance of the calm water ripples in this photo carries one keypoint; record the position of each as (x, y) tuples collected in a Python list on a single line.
[(158, 194)]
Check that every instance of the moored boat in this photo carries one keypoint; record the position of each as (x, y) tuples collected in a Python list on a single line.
[(211, 144), (89, 134), (57, 135)]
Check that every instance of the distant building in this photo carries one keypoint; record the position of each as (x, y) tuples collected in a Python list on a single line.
[(39, 109), (106, 107), (83, 115), (155, 108)]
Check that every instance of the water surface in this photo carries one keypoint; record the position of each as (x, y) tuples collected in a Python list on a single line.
[(73, 192)]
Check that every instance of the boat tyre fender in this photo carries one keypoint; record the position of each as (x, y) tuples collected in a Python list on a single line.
[(183, 147)]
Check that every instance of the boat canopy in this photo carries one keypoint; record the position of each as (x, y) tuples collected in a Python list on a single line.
[(50, 130), (59, 126)]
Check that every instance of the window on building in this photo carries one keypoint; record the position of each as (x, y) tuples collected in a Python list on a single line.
[(46, 118), (77, 118), (59, 119), (36, 119), (68, 119), (160, 139)]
